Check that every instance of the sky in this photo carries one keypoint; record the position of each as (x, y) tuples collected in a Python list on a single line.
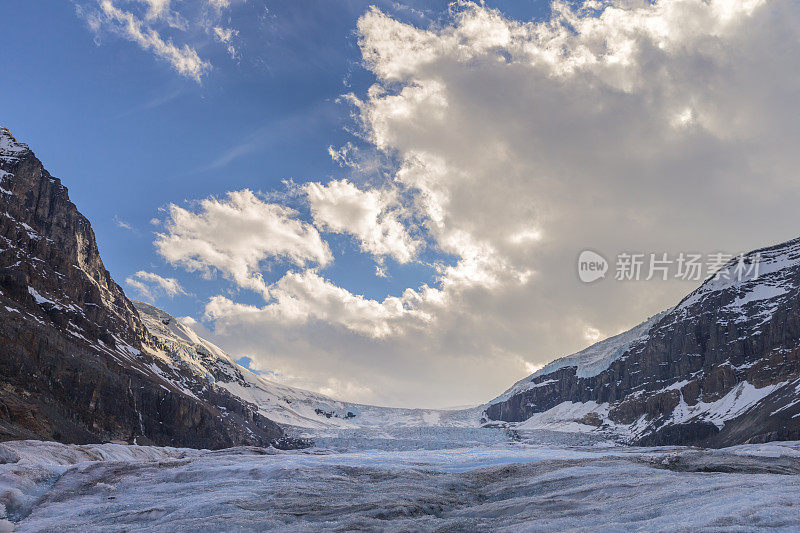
[(386, 201)]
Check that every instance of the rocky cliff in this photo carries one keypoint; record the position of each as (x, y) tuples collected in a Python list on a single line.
[(721, 368), (76, 362)]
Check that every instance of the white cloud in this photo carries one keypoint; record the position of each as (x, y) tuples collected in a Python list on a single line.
[(153, 24), (657, 127), (302, 297), (121, 223), (219, 4), (226, 36), (374, 217), (156, 8), (150, 285), (236, 235), (184, 59), (593, 334), (335, 388)]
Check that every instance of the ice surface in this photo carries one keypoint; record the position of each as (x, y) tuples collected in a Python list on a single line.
[(488, 483)]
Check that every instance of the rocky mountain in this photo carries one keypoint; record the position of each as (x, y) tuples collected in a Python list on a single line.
[(720, 368), (81, 363), (286, 405), (76, 362)]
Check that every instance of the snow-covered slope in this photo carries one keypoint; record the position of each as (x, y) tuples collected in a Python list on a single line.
[(282, 403), (589, 361), (721, 368)]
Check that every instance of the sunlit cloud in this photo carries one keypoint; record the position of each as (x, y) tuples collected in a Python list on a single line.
[(516, 145), (150, 286)]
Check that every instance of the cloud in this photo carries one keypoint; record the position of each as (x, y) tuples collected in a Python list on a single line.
[(226, 36), (150, 285), (122, 224), (338, 389), (219, 4), (236, 236), (146, 22), (184, 60), (617, 127), (374, 217), (156, 8), (302, 297)]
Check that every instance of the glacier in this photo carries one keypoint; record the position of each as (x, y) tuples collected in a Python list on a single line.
[(446, 479)]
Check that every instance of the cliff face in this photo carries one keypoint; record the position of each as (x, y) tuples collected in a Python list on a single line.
[(721, 368), (76, 362)]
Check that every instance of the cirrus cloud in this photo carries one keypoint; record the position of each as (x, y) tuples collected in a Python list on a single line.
[(153, 24)]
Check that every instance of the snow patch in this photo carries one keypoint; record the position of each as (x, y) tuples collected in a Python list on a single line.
[(39, 298), (741, 398), (565, 417)]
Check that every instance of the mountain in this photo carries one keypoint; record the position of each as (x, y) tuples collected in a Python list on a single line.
[(81, 363), (286, 405), (720, 368), (77, 364)]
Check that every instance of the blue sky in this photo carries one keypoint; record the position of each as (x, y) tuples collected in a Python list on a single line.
[(481, 149), (128, 135)]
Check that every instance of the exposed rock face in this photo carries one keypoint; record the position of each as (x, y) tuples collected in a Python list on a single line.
[(721, 368), (76, 362)]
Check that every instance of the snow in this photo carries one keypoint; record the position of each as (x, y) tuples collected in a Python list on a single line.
[(564, 417), (570, 417), (39, 298), (590, 361), (297, 407), (54, 453), (10, 149), (769, 282), (494, 486), (279, 402), (757, 293), (741, 398)]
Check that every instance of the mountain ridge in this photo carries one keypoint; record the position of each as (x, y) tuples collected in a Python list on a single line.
[(83, 363), (722, 367), (290, 406), (77, 362)]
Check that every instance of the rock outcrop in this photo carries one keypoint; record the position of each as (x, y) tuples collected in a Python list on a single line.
[(77, 364), (721, 368)]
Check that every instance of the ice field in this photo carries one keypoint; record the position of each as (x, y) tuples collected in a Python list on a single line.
[(403, 480)]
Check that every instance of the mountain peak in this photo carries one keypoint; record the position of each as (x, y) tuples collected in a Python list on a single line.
[(10, 148), (721, 368), (78, 364)]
